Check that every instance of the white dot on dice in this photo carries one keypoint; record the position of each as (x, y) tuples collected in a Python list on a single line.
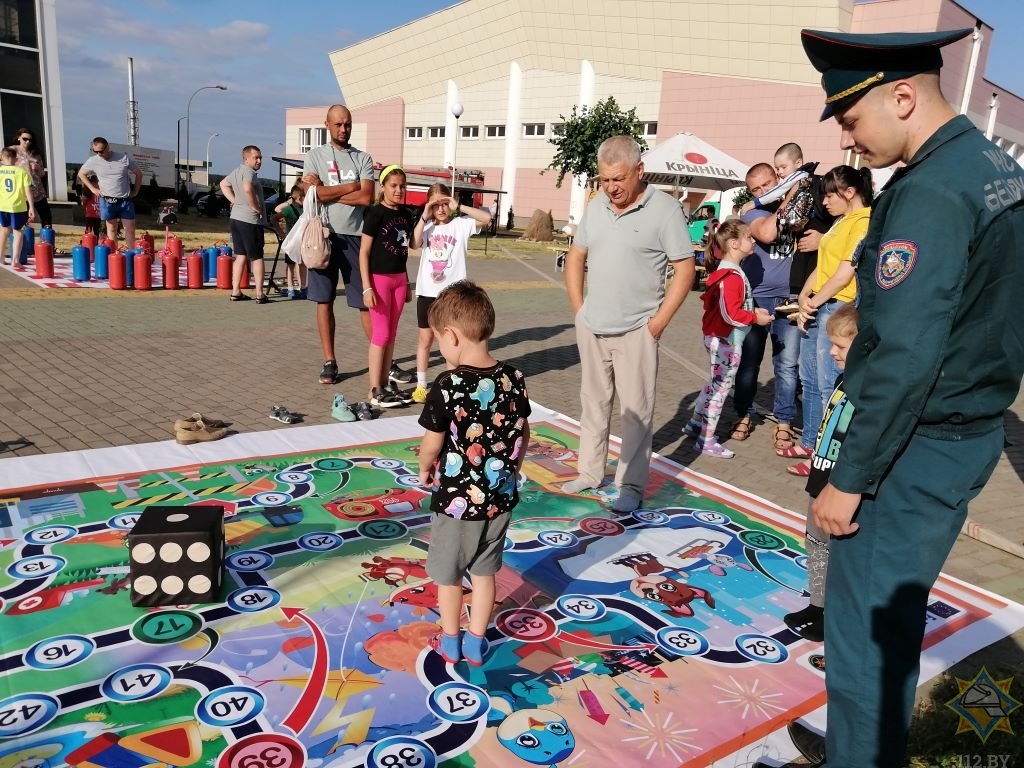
[(172, 585), (170, 552), (145, 585), (143, 553), (178, 517), (199, 584), (198, 552)]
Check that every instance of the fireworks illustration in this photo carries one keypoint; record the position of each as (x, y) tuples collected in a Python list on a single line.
[(661, 737), (748, 698)]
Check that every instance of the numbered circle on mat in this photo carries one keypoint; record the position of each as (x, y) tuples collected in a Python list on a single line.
[(136, 682), (50, 534), (229, 706), (253, 599), (36, 567), (25, 713), (401, 752), (458, 702), (272, 499), (59, 652), (263, 750)]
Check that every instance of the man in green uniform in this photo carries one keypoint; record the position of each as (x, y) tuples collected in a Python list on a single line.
[(938, 358)]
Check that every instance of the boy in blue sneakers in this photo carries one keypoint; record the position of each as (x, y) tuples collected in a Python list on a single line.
[(477, 428)]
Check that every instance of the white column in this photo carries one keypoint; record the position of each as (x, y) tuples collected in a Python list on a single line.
[(450, 125), (513, 134), (972, 68), (53, 105), (578, 193), (993, 110)]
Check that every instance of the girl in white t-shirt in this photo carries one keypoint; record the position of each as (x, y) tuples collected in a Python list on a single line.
[(443, 262)]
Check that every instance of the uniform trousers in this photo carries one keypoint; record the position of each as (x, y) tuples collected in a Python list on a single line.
[(625, 365), (877, 592)]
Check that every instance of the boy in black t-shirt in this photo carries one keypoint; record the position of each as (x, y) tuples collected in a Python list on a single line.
[(809, 622), (477, 421)]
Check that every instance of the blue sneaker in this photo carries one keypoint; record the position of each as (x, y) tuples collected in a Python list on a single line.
[(341, 410), (291, 293), (474, 648)]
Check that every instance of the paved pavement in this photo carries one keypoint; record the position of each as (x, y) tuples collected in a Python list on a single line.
[(92, 368)]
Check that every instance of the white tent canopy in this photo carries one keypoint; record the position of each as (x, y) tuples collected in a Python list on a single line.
[(686, 160)]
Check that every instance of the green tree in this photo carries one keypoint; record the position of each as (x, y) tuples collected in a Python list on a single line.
[(576, 140)]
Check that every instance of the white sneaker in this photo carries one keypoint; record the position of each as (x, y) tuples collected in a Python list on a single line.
[(627, 502)]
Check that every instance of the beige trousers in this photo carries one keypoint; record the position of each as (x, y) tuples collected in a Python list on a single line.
[(625, 365)]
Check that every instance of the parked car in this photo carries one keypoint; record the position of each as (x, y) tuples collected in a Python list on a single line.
[(215, 204)]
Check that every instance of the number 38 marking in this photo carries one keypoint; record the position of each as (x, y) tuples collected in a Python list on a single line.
[(401, 752)]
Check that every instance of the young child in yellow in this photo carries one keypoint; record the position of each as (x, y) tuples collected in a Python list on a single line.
[(16, 206)]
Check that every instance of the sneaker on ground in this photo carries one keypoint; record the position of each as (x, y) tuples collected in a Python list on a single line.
[(419, 395), (579, 485), (364, 411), (693, 429), (405, 397), (627, 502), (397, 376), (329, 373), (714, 449), (385, 398), (199, 434), (340, 409)]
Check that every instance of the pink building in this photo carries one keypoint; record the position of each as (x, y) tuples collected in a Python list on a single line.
[(733, 73)]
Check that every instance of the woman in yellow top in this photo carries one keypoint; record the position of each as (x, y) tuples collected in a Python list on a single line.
[(832, 284)]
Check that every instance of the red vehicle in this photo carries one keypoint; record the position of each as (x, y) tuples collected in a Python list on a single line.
[(389, 502)]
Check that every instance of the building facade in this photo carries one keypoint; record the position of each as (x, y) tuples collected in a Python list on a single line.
[(30, 95), (732, 72)]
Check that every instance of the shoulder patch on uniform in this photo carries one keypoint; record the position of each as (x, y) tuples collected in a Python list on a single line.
[(896, 259)]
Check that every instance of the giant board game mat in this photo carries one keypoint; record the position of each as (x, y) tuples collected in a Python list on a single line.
[(654, 638)]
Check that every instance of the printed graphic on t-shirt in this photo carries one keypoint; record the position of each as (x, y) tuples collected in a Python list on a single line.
[(483, 413), (440, 259), (834, 425)]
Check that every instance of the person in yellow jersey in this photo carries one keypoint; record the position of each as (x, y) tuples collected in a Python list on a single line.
[(16, 207)]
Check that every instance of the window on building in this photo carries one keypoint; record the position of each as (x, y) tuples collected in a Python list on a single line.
[(319, 137), (436, 131), (533, 130), (305, 140), (558, 129), (18, 23), (414, 133), (469, 132), (649, 129), (495, 131)]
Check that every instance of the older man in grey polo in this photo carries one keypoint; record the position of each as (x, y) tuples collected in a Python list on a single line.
[(627, 237)]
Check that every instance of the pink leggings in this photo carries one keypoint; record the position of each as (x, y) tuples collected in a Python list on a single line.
[(391, 291)]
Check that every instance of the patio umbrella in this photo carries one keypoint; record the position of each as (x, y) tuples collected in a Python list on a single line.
[(686, 160)]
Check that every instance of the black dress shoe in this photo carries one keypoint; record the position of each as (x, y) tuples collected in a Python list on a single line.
[(811, 744)]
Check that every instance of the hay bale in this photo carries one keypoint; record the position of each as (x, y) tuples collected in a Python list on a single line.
[(540, 228)]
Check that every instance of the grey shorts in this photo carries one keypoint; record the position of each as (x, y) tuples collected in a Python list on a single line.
[(458, 546), (322, 283)]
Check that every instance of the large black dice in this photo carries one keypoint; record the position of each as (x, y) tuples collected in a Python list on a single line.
[(177, 555)]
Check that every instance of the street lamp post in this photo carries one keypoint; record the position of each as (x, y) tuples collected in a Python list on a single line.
[(207, 166), (188, 127), (177, 161), (457, 113)]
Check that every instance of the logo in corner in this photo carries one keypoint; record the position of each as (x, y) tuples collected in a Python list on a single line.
[(896, 259), (984, 705)]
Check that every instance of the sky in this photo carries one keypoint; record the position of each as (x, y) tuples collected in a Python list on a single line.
[(270, 55), (272, 58)]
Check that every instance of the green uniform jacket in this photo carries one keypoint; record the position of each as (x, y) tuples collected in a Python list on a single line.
[(940, 343)]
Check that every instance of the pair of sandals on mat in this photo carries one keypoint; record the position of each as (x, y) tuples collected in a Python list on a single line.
[(785, 442)]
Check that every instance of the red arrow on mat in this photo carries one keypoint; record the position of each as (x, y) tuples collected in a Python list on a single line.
[(310, 697)]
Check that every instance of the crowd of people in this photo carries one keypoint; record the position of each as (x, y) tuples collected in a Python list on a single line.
[(894, 315)]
